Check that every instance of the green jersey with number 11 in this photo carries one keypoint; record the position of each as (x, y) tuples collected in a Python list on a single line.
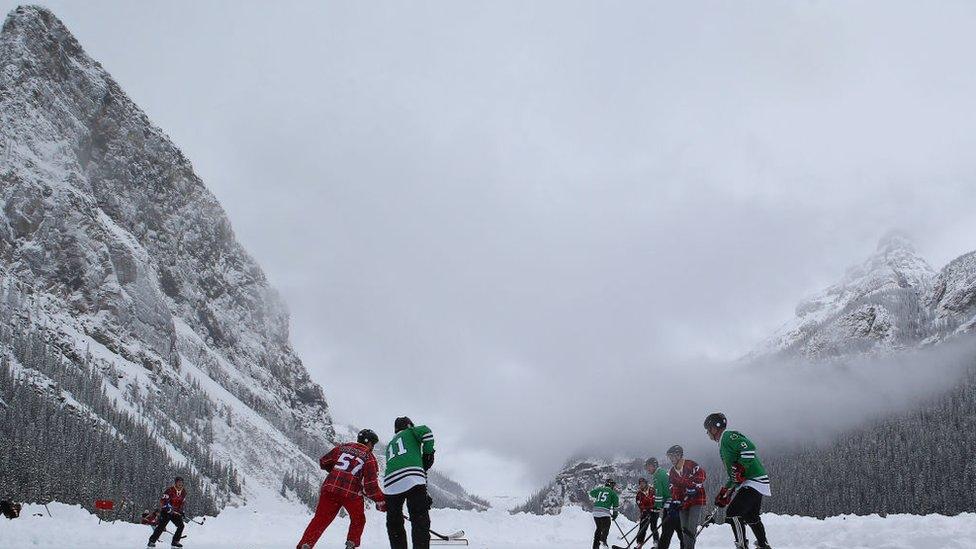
[(405, 459)]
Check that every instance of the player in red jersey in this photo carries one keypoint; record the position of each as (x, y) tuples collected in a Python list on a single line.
[(352, 471)]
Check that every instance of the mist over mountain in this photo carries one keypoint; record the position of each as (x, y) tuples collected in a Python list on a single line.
[(860, 397)]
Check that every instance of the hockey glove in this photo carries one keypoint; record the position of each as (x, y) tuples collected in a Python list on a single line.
[(430, 502), (724, 497), (738, 473), (381, 506), (428, 460), (613, 515)]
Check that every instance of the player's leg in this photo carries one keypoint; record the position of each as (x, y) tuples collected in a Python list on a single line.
[(325, 513), (357, 519)]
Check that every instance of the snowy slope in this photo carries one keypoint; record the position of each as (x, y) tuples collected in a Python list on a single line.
[(280, 527), (117, 257)]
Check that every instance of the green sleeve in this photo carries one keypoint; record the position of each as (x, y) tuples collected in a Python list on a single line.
[(730, 454), (614, 499), (662, 489), (425, 437)]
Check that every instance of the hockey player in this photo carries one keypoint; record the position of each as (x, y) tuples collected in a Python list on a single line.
[(170, 510), (670, 520), (648, 516), (747, 484), (605, 503), (409, 455), (149, 518), (352, 471), (687, 487)]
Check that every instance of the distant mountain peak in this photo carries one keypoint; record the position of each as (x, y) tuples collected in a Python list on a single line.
[(874, 307), (895, 240), (893, 300)]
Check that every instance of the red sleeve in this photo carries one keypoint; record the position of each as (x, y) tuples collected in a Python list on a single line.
[(370, 483), (327, 461), (697, 477)]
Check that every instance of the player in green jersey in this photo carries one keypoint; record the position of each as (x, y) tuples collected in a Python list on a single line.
[(409, 455), (670, 523), (747, 484), (605, 503)]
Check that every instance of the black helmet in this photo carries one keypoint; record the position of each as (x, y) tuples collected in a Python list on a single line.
[(642, 479), (610, 482), (651, 461), (367, 436), (676, 450), (716, 420), (402, 423), (177, 479)]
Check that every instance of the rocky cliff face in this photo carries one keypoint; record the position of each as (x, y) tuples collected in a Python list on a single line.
[(114, 253), (876, 307)]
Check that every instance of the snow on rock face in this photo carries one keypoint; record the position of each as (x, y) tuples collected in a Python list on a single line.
[(119, 247), (953, 295), (111, 244), (876, 307)]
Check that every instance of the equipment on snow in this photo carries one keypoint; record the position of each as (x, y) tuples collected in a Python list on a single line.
[(639, 545), (454, 538), (629, 531), (716, 420)]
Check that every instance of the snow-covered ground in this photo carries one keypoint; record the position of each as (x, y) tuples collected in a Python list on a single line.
[(250, 528)]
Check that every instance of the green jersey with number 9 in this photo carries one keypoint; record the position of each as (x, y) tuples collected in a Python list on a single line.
[(405, 460)]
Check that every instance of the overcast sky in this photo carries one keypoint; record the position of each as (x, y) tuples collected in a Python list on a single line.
[(507, 219)]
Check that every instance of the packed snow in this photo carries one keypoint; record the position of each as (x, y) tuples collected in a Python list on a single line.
[(281, 526)]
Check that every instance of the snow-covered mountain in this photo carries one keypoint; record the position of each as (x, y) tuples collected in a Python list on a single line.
[(117, 262), (877, 306), (892, 302)]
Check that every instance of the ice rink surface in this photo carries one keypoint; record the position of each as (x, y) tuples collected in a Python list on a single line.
[(281, 527)]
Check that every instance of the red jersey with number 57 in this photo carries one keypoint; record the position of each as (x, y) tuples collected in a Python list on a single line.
[(352, 471)]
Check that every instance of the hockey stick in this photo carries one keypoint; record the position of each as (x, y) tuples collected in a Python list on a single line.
[(631, 530), (195, 522), (710, 519), (452, 535), (622, 534), (641, 544)]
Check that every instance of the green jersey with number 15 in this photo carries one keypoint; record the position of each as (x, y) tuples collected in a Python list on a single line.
[(605, 500), (405, 460)]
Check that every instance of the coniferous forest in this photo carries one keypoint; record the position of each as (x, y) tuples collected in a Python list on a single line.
[(65, 440)]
